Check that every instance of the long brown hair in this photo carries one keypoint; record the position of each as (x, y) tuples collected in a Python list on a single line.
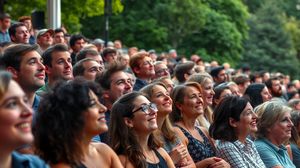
[(123, 139), (167, 128)]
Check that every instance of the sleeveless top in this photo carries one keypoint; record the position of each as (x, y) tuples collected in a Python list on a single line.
[(168, 145), (197, 149), (161, 164)]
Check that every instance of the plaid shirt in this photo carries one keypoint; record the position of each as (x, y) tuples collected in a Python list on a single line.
[(239, 155)]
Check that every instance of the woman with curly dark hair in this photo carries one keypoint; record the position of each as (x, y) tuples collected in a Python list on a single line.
[(69, 117), (133, 120)]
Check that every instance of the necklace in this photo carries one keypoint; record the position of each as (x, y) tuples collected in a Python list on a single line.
[(152, 156), (183, 123)]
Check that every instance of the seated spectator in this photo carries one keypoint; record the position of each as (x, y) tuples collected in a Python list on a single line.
[(142, 66), (206, 82), (221, 91), (187, 106), (294, 104), (90, 53), (166, 80), (27, 21), (19, 33), (99, 43), (77, 42), (274, 129), (295, 139), (174, 142), (15, 125), (58, 66), (161, 69), (219, 75), (243, 81), (257, 93), (109, 56), (88, 68), (44, 38), (59, 36), (134, 142), (183, 71), (234, 120), (69, 118)]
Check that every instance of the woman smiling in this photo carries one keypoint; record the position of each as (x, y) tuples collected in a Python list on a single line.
[(234, 120)]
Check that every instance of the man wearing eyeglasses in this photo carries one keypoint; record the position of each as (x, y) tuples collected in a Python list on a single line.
[(161, 69), (143, 68)]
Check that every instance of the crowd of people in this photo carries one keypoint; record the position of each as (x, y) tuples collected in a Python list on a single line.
[(67, 101)]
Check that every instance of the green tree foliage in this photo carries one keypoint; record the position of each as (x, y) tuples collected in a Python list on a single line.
[(235, 11), (218, 39), (214, 29), (292, 26), (71, 11), (269, 47)]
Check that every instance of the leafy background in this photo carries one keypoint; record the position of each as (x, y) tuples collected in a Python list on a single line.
[(264, 34)]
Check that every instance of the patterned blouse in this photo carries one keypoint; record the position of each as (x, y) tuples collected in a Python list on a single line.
[(197, 149), (238, 154)]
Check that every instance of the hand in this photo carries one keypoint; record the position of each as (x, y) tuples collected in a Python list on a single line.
[(184, 163), (178, 153), (220, 163)]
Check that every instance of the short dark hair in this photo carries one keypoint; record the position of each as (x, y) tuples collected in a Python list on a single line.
[(12, 55), (78, 68), (105, 79), (108, 51), (215, 71), (62, 110), (13, 28), (241, 79), (183, 68), (269, 81), (47, 55), (58, 30), (253, 94), (83, 53), (76, 37), (229, 107)]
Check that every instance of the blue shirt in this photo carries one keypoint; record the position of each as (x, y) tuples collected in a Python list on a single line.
[(4, 36), (272, 155), (296, 155), (27, 161), (139, 83)]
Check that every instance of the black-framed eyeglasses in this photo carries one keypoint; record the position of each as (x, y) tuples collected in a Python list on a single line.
[(145, 108)]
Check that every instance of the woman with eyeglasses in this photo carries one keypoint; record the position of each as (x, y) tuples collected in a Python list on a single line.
[(15, 125), (133, 121), (188, 105), (234, 120), (174, 142), (69, 117)]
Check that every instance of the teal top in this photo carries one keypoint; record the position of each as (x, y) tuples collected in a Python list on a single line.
[(273, 155)]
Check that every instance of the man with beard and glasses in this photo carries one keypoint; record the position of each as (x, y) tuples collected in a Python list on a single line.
[(275, 88)]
